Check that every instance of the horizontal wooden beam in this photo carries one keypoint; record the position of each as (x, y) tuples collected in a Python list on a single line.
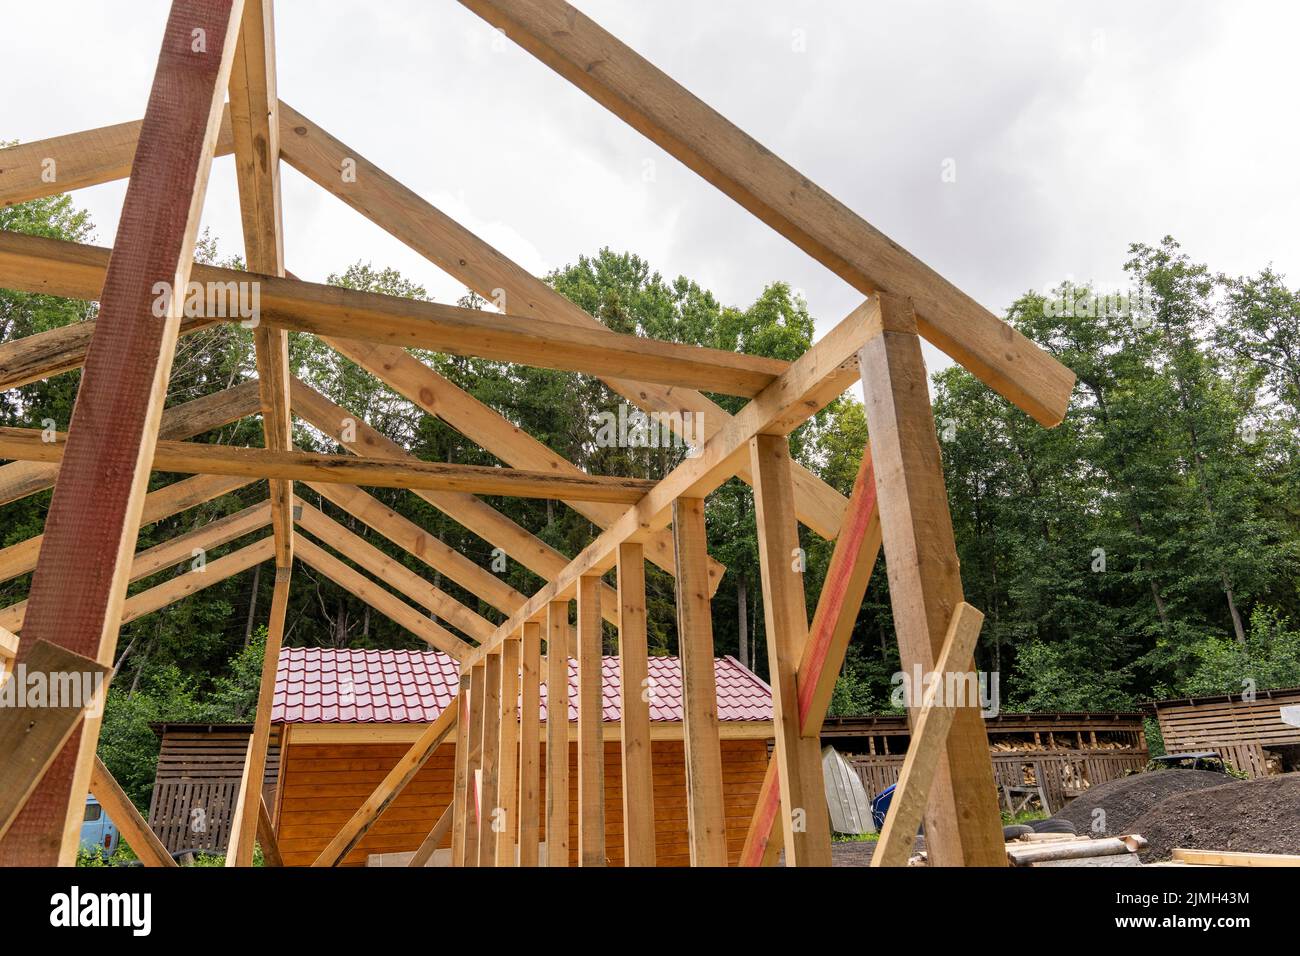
[(299, 306), (814, 380), (22, 478), (650, 101), (30, 444)]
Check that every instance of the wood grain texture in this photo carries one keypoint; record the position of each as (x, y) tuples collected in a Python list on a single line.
[(135, 831), (591, 745), (460, 253), (651, 102), (805, 823), (704, 802), (557, 733), (634, 672), (963, 825), (530, 745), (100, 490)]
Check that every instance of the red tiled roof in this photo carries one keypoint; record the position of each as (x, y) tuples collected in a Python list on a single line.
[(327, 685)]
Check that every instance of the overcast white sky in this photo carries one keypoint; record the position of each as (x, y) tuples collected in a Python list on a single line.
[(1074, 128)]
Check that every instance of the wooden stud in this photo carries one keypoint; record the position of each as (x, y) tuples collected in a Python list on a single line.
[(706, 819), (963, 825), (388, 790), (530, 744), (805, 822), (508, 755), (243, 823), (127, 819), (557, 733), (100, 490), (929, 738), (591, 742), (490, 767), (474, 763), (845, 585), (460, 794), (635, 690), (266, 835)]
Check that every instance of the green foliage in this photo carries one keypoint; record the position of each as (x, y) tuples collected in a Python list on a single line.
[(1269, 658)]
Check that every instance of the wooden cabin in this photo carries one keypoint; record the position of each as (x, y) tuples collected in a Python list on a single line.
[(1249, 734), (197, 783), (346, 717), (1059, 755)]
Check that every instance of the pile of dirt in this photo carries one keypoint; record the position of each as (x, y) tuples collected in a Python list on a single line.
[(1248, 816), (1121, 802)]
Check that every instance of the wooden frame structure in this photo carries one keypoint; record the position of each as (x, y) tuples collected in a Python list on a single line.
[(499, 815)]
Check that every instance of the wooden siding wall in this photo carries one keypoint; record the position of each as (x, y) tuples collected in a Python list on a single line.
[(323, 784), (200, 771), (1239, 730)]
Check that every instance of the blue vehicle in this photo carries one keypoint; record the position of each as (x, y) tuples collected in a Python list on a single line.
[(98, 832)]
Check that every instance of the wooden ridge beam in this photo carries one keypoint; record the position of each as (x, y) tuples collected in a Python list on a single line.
[(472, 513), (30, 444), (22, 478), (929, 738), (491, 431), (460, 253), (814, 380), (172, 499), (327, 310), (651, 102), (172, 552), (389, 789), (101, 488), (381, 600), (393, 573), (133, 827)]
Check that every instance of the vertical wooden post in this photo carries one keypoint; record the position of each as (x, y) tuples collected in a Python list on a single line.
[(704, 806), (805, 822), (489, 799), (591, 742), (963, 826), (460, 781), (634, 669), (243, 825), (557, 733), (80, 582), (474, 762), (530, 743), (508, 753)]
